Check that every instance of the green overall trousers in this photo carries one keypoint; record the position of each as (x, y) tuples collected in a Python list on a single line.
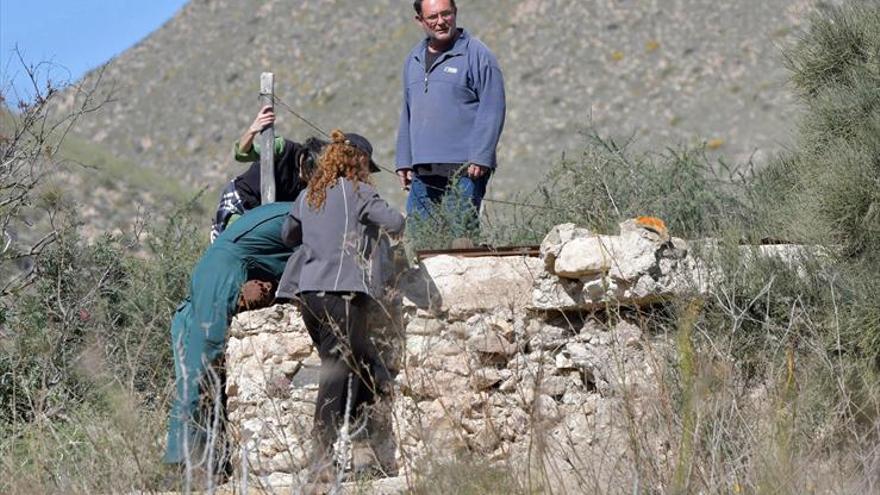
[(250, 248)]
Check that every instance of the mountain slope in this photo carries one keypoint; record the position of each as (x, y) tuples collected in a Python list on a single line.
[(661, 71)]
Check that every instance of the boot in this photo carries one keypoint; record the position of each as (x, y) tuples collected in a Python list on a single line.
[(381, 439), (364, 463)]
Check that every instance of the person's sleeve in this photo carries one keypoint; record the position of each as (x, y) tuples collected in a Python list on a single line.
[(291, 230), (254, 153), (279, 147), (373, 210), (251, 156), (404, 148), (288, 286), (489, 122)]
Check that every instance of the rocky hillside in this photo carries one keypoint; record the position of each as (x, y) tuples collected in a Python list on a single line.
[(662, 71)]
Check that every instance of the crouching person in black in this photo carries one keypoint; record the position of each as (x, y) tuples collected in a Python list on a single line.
[(340, 220), (293, 161)]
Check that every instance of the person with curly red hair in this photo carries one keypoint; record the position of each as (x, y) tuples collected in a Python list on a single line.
[(340, 221)]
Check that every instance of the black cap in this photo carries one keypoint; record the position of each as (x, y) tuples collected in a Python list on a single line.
[(362, 144)]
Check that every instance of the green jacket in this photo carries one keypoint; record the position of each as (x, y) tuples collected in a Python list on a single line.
[(250, 248), (254, 153)]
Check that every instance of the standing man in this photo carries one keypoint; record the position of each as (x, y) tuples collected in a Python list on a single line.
[(452, 115)]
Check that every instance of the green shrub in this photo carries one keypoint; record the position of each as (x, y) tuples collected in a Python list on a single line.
[(85, 377), (110, 450), (835, 194), (607, 184), (98, 313), (777, 377), (453, 218)]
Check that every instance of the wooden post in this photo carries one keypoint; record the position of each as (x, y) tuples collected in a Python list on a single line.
[(267, 142)]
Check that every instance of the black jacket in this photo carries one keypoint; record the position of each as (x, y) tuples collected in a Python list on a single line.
[(287, 181)]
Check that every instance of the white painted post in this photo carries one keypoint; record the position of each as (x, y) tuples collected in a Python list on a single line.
[(267, 142)]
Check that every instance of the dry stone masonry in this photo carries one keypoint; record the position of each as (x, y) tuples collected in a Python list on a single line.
[(539, 363)]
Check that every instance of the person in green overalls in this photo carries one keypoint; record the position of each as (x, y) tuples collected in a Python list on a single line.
[(250, 248)]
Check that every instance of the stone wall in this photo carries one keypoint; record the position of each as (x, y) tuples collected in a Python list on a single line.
[(546, 364)]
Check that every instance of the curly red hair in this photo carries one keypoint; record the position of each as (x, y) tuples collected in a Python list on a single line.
[(338, 159)]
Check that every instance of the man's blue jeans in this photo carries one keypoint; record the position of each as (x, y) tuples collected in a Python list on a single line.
[(453, 201)]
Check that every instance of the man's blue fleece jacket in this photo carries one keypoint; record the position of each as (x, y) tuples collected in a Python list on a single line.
[(454, 112)]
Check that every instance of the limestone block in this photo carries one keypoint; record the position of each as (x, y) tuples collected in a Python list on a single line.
[(546, 408), (509, 385), (421, 347), (463, 286), (556, 239), (487, 378), (572, 252), (458, 363), (297, 346), (427, 383), (495, 323), (588, 271), (564, 362), (627, 334), (439, 425), (486, 438), (273, 319), (556, 386), (447, 348), (549, 338), (486, 341), (425, 326), (576, 429), (269, 404), (661, 281), (585, 256), (457, 329)]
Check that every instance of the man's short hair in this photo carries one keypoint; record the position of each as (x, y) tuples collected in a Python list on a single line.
[(417, 5)]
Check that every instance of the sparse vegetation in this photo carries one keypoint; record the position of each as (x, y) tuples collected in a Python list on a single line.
[(84, 357), (605, 185), (781, 378), (773, 388)]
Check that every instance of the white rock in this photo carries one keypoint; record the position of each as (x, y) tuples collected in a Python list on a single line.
[(464, 286), (486, 378), (584, 256), (556, 239), (627, 334), (457, 363), (489, 342), (564, 362), (555, 386), (425, 326), (549, 338)]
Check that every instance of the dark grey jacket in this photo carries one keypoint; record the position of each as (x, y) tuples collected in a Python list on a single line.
[(342, 246)]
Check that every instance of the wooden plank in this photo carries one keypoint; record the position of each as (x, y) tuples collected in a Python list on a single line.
[(267, 141), (482, 252)]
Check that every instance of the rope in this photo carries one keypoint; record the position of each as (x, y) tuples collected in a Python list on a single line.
[(300, 117)]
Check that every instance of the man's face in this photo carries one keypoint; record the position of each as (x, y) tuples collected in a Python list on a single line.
[(438, 20)]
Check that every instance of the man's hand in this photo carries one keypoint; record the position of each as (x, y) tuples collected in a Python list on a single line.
[(405, 175), (265, 117), (475, 171)]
